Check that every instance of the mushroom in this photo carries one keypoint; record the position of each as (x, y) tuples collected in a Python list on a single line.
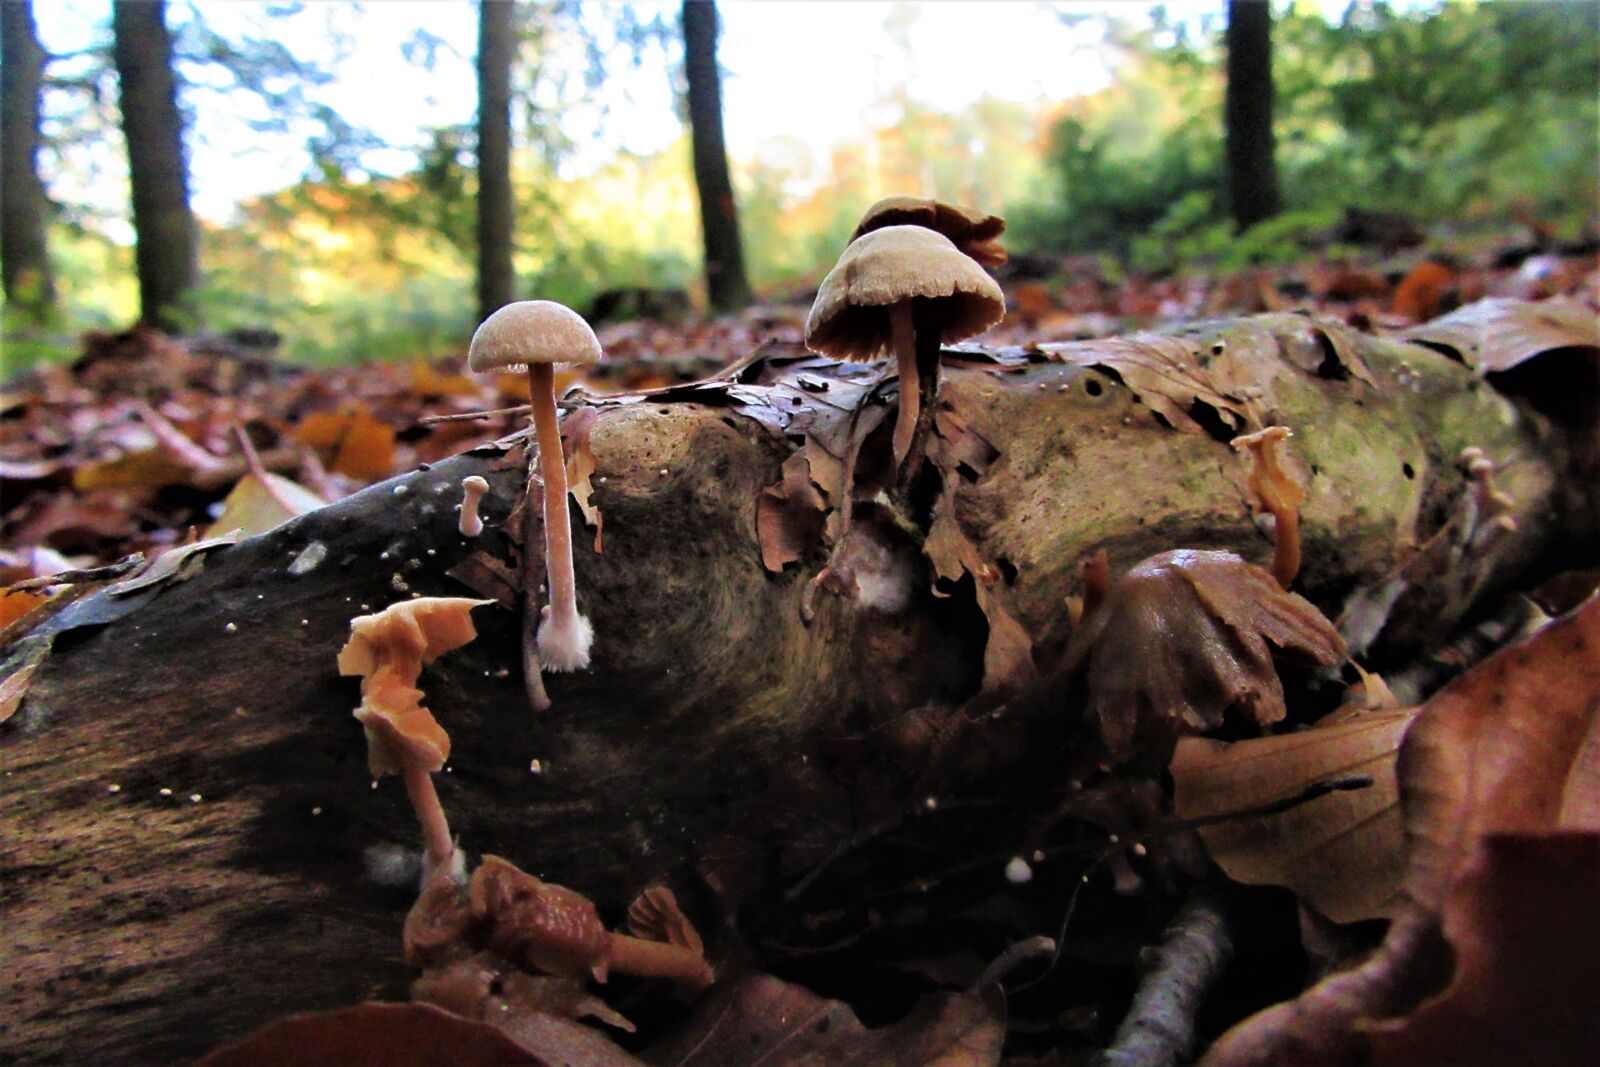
[(1279, 494), (908, 289), (388, 650), (974, 233), (472, 489), (534, 335), (558, 930), (1183, 638)]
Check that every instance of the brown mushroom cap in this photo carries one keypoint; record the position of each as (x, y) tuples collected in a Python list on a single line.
[(1184, 637), (850, 319), (532, 331), (973, 232)]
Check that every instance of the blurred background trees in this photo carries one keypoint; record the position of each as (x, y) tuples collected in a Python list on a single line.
[(390, 242)]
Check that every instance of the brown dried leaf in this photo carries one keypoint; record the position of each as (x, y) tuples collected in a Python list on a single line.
[(575, 431), (1524, 927), (1164, 372), (761, 1020), (376, 1035), (259, 503), (1511, 746), (1496, 334), (789, 515), (359, 445), (1342, 853), (25, 658)]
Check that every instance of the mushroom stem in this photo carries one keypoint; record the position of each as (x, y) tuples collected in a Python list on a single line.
[(564, 635), (902, 337), (436, 841), (1285, 544), (659, 959), (927, 333)]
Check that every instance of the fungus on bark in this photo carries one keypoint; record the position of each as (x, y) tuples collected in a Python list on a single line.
[(908, 290), (535, 335), (558, 930), (472, 489), (388, 650), (973, 232), (1279, 494), (1183, 638)]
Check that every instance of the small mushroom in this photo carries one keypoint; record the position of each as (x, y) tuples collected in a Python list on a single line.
[(388, 650), (472, 489), (1183, 638), (973, 232), (1277, 493), (906, 289), (535, 335)]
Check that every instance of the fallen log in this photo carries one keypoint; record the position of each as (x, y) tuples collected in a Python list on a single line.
[(188, 824)]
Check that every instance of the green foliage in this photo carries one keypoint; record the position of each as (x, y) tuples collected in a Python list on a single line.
[(1462, 111)]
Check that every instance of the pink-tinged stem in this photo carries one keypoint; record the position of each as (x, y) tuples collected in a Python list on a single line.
[(430, 813), (659, 959), (904, 341), (553, 469)]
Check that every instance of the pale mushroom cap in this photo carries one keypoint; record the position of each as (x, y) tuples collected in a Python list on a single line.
[(532, 331), (850, 319)]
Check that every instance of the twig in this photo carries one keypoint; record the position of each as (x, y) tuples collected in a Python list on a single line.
[(1159, 1028), (468, 416)]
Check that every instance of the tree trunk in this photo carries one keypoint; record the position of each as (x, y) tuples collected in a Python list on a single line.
[(168, 254), (187, 817), (1252, 172), (29, 282), (726, 284), (497, 43)]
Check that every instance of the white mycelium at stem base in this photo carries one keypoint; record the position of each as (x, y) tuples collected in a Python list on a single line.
[(535, 335)]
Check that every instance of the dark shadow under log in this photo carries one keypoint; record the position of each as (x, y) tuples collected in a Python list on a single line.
[(186, 805)]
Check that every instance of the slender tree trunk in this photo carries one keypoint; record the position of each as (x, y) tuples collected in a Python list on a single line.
[(168, 254), (719, 217), (1252, 178), (24, 255), (496, 44)]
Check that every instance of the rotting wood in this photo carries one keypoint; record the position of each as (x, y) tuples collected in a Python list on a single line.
[(186, 805)]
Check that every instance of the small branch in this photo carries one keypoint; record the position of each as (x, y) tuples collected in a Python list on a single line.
[(1159, 1028), (469, 416)]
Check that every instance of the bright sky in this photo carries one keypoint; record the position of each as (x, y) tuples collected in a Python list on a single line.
[(812, 71)]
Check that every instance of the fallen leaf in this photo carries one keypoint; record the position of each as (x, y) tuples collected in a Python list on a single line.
[(1163, 372), (150, 468), (1420, 292), (175, 564), (359, 445), (374, 1035), (261, 502), (789, 515), (1497, 334), (14, 604), (1524, 927), (22, 660), (759, 1020), (1512, 746), (575, 431), (428, 382), (1341, 853)]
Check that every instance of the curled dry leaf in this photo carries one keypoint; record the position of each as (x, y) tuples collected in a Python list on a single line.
[(655, 916), (1496, 335), (789, 515), (1184, 637), (547, 926), (973, 232), (1343, 853), (575, 431), (1512, 746), (1164, 372)]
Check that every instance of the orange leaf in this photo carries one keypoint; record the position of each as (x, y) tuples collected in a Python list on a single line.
[(425, 381), (14, 606), (1418, 295), (361, 446)]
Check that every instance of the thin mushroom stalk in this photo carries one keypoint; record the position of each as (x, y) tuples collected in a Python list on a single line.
[(902, 336), (564, 636)]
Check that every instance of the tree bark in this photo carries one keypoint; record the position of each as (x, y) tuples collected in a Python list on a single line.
[(1252, 170), (187, 805), (726, 284), (497, 43), (168, 249), (29, 281)]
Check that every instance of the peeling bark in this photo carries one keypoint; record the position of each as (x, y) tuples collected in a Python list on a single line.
[(146, 926)]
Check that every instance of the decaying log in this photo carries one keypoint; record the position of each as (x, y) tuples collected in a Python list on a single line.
[(186, 810)]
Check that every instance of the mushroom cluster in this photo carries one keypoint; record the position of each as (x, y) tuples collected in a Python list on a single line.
[(534, 336)]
